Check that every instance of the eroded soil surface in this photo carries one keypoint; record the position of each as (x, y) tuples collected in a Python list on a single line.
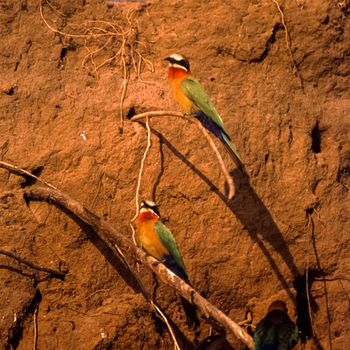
[(61, 89)]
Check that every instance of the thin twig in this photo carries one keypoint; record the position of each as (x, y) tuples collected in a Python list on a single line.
[(324, 280), (103, 228), (137, 200), (171, 331), (19, 171), (149, 144), (53, 273), (229, 179), (295, 68), (35, 326), (124, 86), (309, 225), (137, 194), (151, 114)]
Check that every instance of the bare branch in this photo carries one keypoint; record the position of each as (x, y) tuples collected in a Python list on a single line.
[(229, 179), (104, 229)]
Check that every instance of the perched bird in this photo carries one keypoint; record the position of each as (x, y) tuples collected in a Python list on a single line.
[(157, 240), (276, 331), (193, 99)]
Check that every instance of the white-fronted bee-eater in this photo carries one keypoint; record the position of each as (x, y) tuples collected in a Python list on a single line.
[(193, 99), (158, 241)]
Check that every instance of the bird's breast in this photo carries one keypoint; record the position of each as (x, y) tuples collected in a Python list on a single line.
[(176, 76), (180, 97), (148, 238)]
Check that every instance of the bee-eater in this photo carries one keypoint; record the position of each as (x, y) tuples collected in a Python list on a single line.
[(158, 241), (193, 99), (276, 331)]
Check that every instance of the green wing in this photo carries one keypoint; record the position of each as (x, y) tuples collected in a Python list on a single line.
[(263, 334), (287, 336), (282, 337), (168, 240), (195, 92)]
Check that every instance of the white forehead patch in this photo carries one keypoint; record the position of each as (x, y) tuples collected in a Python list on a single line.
[(177, 57), (150, 203)]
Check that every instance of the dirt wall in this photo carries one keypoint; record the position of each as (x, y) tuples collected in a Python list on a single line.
[(61, 88)]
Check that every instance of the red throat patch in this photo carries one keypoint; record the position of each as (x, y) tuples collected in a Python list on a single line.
[(176, 73), (147, 216)]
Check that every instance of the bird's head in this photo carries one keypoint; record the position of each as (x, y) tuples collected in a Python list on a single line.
[(178, 61), (278, 305), (149, 206)]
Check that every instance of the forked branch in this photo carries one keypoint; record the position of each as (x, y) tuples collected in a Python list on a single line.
[(226, 173)]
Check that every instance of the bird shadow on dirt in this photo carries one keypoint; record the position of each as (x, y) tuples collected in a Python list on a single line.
[(249, 209)]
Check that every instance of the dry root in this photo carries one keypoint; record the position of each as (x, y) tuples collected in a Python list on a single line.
[(106, 42)]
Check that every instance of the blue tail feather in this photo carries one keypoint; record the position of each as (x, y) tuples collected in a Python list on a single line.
[(221, 134), (210, 125), (171, 264), (190, 310)]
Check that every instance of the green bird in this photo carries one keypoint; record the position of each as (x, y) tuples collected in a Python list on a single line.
[(157, 240), (276, 331), (193, 99)]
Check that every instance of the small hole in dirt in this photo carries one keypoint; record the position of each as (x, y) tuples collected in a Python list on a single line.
[(316, 139), (266, 157), (24, 6), (63, 54), (10, 91), (64, 51), (325, 20), (29, 181), (303, 318), (310, 210), (131, 112)]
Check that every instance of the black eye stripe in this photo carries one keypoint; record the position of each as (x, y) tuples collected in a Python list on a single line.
[(181, 62), (154, 208), (185, 64)]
